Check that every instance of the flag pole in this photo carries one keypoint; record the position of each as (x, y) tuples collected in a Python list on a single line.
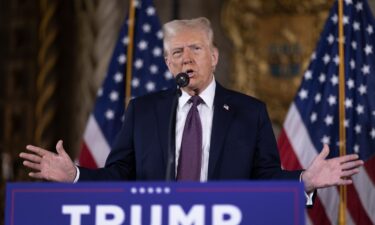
[(129, 54), (342, 140)]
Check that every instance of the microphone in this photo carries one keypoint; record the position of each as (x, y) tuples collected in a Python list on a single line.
[(182, 80)]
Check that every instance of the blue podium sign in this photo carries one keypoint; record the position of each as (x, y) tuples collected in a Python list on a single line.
[(216, 203)]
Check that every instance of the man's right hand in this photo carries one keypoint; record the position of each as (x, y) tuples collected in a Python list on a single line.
[(48, 165)]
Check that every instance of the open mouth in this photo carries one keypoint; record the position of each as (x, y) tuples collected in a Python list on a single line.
[(190, 72)]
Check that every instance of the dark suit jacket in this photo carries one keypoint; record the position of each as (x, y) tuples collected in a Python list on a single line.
[(242, 146)]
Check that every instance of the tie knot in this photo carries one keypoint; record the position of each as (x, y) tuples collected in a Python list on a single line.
[(196, 100)]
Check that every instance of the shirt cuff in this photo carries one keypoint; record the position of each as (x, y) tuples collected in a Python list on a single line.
[(77, 175), (309, 197)]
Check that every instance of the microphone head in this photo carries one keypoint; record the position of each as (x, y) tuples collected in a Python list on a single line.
[(182, 80)]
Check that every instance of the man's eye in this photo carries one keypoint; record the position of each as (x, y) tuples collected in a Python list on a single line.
[(176, 53)]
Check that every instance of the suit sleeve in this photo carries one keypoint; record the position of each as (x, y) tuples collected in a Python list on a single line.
[(267, 160), (120, 164)]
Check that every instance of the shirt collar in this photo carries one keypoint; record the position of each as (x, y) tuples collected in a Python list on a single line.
[(207, 95)]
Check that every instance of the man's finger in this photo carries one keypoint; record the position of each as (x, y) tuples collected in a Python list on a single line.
[(30, 157), (37, 175), (31, 165), (347, 158), (352, 165), (37, 150), (345, 181), (349, 173)]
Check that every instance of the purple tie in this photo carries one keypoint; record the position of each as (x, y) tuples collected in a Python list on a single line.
[(189, 162)]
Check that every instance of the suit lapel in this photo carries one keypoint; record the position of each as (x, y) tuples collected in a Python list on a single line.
[(163, 113), (223, 115)]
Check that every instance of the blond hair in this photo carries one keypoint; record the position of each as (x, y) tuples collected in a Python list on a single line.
[(173, 27)]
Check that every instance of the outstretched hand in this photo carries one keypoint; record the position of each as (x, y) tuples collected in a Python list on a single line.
[(330, 172), (49, 165)]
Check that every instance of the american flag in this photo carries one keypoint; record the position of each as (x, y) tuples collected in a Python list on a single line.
[(149, 74), (313, 117)]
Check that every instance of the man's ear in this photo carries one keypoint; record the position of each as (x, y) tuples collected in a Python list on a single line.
[(214, 56)]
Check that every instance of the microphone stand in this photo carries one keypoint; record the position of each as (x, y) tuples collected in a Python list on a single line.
[(171, 139), (182, 80)]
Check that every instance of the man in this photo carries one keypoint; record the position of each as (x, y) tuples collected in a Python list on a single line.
[(232, 131)]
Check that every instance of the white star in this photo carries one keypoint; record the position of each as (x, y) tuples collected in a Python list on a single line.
[(157, 52), (322, 78), (352, 64), (334, 80), (348, 103), (350, 83), (326, 139), (313, 56), (142, 45), (313, 117), (303, 94), (365, 69), (146, 28), (334, 18), (346, 123), (109, 114), (150, 11), (348, 2), (372, 133), (354, 45), (328, 120), (362, 89), (356, 148), (336, 60), (330, 39), (345, 20), (138, 63), (358, 128), (135, 82), (136, 3), (125, 40), (370, 30), (150, 86), (332, 100), (118, 77), (318, 97), (356, 26), (100, 92), (326, 59), (122, 59), (308, 75), (359, 6), (368, 49), (159, 35), (113, 96), (360, 109), (154, 69), (168, 75)]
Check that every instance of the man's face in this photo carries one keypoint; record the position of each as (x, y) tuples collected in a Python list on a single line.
[(190, 52)]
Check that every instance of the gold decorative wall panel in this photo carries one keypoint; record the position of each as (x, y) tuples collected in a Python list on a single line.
[(273, 43)]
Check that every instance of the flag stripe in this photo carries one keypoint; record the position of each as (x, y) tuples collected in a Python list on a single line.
[(96, 142), (356, 209), (85, 158), (365, 190)]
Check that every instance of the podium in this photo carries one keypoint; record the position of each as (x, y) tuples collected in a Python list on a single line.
[(161, 203)]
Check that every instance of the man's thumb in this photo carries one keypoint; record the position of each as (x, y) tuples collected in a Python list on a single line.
[(59, 147), (325, 151)]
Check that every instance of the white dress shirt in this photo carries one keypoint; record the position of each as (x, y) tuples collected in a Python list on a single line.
[(206, 113)]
